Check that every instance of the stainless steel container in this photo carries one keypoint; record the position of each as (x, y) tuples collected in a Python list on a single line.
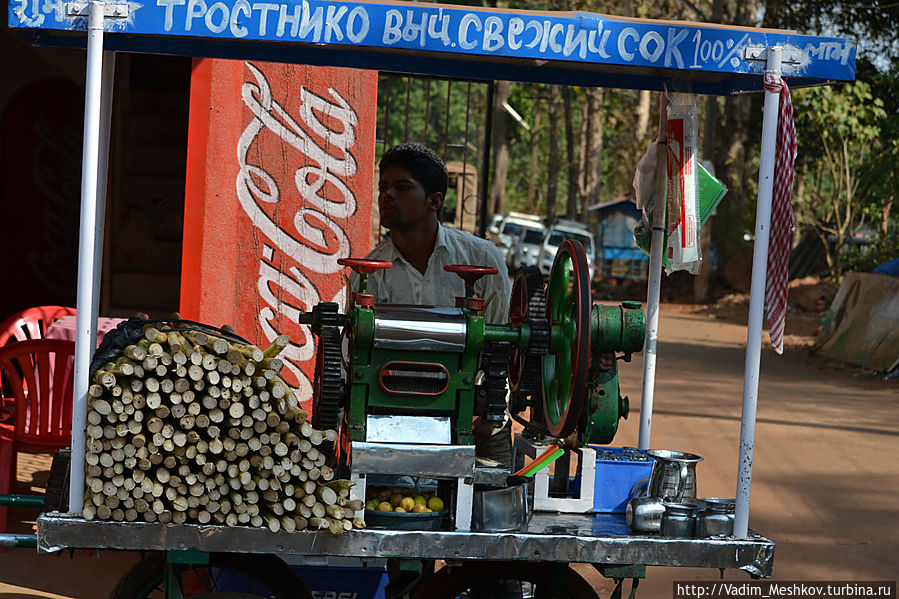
[(500, 510), (673, 475), (716, 518), (644, 514), (678, 520)]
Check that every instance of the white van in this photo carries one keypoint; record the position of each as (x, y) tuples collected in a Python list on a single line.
[(561, 230), (526, 247), (513, 225)]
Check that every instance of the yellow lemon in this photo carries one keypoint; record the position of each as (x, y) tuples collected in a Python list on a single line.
[(407, 503), (420, 508), (385, 506), (399, 510), (435, 503), (371, 504)]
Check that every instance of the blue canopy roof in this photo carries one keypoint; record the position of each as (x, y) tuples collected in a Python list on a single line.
[(572, 48)]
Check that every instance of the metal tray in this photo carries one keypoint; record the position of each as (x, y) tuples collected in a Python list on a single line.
[(586, 538)]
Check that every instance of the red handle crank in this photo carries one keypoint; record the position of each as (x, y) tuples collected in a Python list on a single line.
[(470, 273), (363, 266)]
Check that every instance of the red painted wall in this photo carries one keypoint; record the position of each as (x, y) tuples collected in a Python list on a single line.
[(279, 186)]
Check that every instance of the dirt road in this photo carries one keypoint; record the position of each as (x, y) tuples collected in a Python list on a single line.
[(826, 475)]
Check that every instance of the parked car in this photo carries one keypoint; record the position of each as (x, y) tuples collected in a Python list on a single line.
[(559, 232), (493, 227), (526, 247), (512, 225)]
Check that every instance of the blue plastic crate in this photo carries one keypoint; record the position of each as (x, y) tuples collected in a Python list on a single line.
[(616, 478), (325, 582), (343, 583)]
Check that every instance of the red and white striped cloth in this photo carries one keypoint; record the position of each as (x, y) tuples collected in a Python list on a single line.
[(783, 223)]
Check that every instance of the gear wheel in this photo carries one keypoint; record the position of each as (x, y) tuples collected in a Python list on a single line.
[(491, 394), (528, 304), (328, 389)]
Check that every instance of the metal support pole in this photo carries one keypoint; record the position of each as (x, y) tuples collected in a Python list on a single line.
[(650, 347), (102, 173), (85, 320), (484, 182), (757, 299)]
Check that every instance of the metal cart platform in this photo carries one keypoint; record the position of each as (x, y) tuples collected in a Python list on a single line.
[(602, 539)]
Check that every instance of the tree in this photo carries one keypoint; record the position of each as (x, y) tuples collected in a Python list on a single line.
[(572, 165), (592, 148), (500, 148), (883, 171), (842, 130), (555, 160)]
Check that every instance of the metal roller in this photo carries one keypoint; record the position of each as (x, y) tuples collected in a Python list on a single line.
[(420, 328)]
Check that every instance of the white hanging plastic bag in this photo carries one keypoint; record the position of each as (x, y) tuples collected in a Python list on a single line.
[(682, 251)]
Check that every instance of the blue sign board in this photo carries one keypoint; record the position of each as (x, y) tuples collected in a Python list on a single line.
[(583, 48)]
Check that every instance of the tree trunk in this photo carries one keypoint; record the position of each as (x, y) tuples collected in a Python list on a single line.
[(582, 156), (500, 147), (644, 108), (730, 164), (701, 280), (732, 158), (591, 171), (710, 130), (885, 216), (535, 155), (571, 155), (552, 186)]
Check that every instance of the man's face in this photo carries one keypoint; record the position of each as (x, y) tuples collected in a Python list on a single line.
[(402, 202)]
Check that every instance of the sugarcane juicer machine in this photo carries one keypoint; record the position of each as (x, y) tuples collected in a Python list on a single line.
[(557, 353), (419, 374)]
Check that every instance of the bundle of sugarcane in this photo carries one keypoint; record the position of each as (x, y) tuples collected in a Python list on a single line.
[(186, 426)]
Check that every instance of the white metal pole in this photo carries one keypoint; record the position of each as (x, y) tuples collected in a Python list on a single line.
[(650, 345), (102, 171), (85, 320), (757, 298)]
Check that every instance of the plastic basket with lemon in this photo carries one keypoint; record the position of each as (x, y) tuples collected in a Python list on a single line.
[(403, 509)]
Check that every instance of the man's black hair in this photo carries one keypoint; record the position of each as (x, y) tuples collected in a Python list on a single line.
[(423, 163)]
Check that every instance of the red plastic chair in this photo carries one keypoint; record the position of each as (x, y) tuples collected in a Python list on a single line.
[(31, 323), (40, 373)]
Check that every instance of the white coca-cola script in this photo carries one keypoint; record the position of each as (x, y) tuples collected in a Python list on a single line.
[(325, 199)]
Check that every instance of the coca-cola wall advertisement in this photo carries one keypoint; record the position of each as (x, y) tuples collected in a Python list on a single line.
[(279, 186)]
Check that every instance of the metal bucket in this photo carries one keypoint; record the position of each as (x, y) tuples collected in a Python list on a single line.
[(500, 510)]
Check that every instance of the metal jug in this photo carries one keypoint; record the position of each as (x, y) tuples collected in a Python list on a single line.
[(673, 476)]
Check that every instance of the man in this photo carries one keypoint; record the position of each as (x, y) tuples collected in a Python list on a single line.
[(411, 190)]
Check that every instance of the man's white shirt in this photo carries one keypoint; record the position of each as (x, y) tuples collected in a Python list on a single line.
[(404, 284)]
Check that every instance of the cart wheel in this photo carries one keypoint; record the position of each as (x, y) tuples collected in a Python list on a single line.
[(502, 580), (227, 576)]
